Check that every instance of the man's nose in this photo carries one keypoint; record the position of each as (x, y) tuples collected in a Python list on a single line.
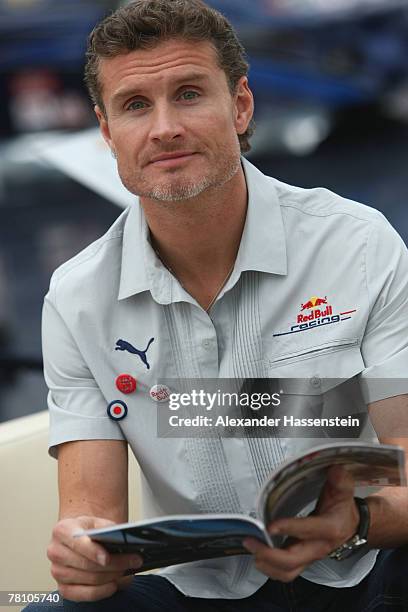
[(166, 125)]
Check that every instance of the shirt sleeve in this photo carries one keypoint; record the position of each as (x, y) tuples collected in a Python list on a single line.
[(384, 345), (78, 409)]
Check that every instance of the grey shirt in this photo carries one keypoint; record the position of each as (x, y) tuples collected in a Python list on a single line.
[(298, 246)]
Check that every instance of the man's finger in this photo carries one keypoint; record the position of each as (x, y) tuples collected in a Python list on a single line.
[(87, 548), (68, 575), (306, 528), (95, 553), (307, 552), (278, 574), (253, 545), (64, 530), (60, 554), (117, 563), (277, 559), (288, 559)]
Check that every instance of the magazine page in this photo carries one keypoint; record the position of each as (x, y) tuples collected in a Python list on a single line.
[(171, 540), (179, 539), (298, 482)]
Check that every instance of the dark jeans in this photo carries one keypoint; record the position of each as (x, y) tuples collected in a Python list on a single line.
[(385, 588)]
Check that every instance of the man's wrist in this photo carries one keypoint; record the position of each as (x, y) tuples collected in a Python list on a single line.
[(389, 518), (375, 505)]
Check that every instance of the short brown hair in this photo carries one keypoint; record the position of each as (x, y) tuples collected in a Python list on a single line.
[(144, 23)]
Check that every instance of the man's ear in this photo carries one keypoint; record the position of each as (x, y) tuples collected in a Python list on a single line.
[(244, 105), (104, 126)]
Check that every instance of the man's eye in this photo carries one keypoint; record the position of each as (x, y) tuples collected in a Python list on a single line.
[(189, 95), (136, 105)]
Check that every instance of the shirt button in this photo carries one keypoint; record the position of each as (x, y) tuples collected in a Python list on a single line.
[(206, 344), (315, 382)]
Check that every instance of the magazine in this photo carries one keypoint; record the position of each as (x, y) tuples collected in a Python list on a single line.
[(292, 487)]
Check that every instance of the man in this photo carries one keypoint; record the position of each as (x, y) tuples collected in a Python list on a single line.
[(205, 276)]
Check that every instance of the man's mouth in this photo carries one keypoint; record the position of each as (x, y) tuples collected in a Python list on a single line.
[(172, 159)]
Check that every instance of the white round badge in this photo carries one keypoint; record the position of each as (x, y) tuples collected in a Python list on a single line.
[(160, 393)]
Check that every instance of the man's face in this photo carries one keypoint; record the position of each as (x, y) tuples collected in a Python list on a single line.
[(171, 119)]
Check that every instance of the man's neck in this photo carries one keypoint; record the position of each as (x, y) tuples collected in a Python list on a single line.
[(198, 239)]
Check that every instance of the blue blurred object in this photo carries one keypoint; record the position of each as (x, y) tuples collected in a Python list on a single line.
[(300, 12), (336, 53), (46, 32), (339, 52)]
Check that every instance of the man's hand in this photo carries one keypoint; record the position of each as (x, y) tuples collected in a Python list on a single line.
[(83, 569), (334, 521)]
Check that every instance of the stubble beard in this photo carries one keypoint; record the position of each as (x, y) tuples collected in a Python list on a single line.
[(184, 188)]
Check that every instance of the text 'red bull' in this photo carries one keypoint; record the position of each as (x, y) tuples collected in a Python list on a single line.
[(315, 314)]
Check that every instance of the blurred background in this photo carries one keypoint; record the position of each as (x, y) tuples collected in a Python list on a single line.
[(331, 89)]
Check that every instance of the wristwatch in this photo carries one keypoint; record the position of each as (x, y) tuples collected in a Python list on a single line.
[(355, 543)]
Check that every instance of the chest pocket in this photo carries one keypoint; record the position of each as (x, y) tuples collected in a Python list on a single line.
[(319, 364), (321, 381)]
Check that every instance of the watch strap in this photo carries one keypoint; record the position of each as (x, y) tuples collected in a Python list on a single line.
[(364, 523), (355, 543)]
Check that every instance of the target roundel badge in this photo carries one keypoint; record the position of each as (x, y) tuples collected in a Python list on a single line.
[(117, 410)]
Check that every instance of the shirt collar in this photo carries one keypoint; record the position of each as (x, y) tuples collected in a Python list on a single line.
[(263, 244), (262, 248), (141, 270)]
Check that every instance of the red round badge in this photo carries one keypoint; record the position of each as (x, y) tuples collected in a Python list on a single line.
[(126, 383)]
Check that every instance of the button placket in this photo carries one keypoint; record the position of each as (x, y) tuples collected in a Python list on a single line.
[(206, 343)]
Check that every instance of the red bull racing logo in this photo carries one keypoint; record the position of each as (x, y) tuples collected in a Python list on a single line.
[(314, 306), (315, 313), (314, 302)]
